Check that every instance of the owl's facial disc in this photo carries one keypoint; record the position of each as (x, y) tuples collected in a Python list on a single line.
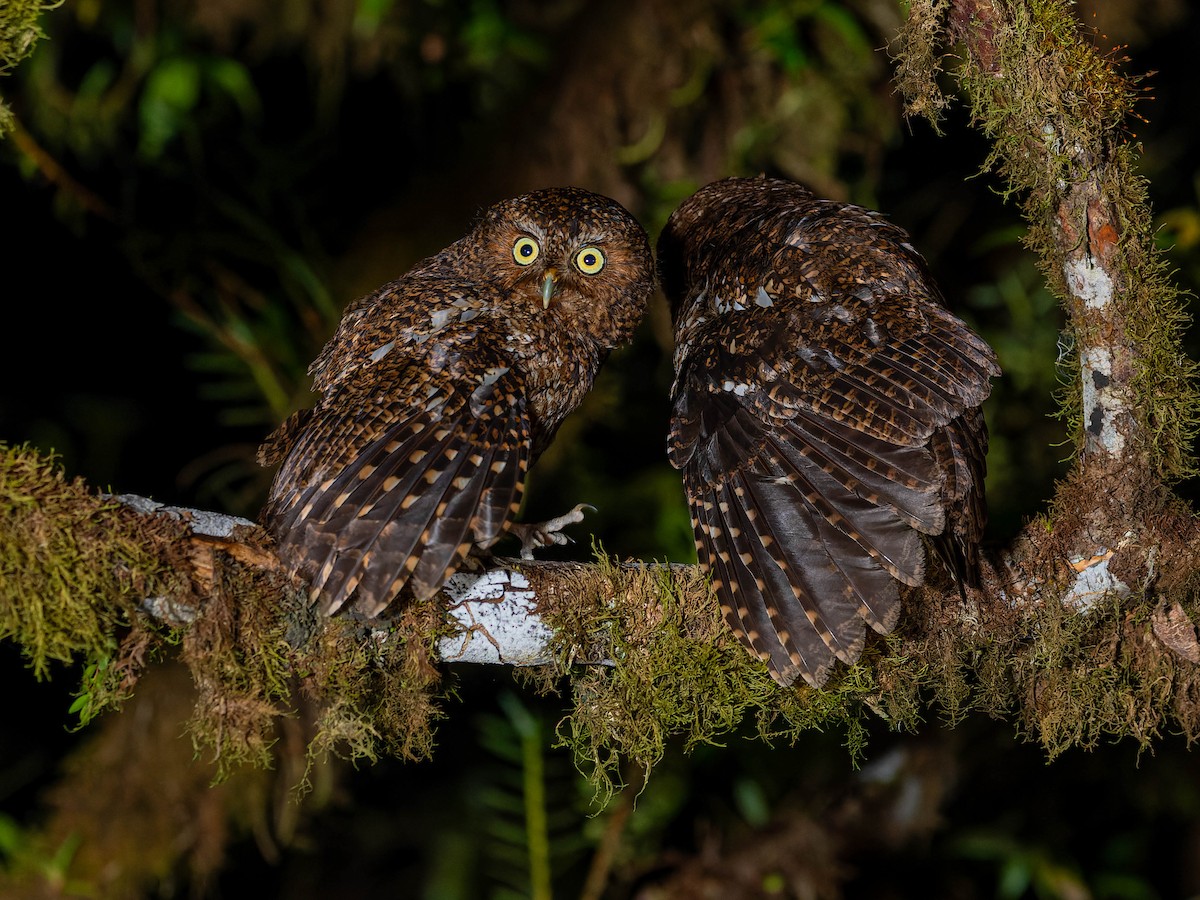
[(549, 283)]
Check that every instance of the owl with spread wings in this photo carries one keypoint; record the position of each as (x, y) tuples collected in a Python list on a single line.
[(827, 417)]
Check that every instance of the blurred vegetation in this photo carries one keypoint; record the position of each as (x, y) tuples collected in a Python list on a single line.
[(199, 188)]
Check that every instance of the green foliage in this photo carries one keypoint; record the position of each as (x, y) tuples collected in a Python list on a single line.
[(1177, 235), (26, 859), (918, 54), (826, 62), (1023, 868), (173, 89), (240, 662), (530, 820), (1025, 453), (75, 568), (97, 690)]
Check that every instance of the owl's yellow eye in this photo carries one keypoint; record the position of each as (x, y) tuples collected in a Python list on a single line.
[(525, 251), (590, 260)]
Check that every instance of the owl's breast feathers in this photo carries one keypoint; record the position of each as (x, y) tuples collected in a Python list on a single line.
[(826, 417)]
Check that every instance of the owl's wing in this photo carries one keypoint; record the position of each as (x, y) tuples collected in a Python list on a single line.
[(392, 486), (960, 448), (820, 436)]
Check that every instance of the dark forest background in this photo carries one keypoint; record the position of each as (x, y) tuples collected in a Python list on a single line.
[(192, 191)]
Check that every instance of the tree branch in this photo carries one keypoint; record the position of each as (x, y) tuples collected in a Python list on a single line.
[(1081, 631)]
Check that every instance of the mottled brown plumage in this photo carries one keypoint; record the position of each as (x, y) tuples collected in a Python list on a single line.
[(441, 388), (827, 416)]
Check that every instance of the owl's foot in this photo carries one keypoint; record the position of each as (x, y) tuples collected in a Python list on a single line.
[(535, 535)]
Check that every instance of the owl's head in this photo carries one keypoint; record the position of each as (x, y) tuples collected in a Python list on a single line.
[(571, 256)]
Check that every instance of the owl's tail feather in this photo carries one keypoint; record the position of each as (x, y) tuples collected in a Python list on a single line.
[(808, 613), (501, 499), (306, 492), (474, 509), (877, 470), (855, 551), (810, 534), (468, 501), (864, 490), (761, 608), (745, 603)]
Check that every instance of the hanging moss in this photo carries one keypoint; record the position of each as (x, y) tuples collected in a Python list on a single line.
[(259, 652), (240, 661), (73, 565), (919, 54), (77, 568), (378, 691), (679, 676), (19, 32)]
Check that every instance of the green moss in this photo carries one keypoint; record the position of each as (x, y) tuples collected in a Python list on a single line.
[(240, 662), (360, 692), (378, 691), (75, 568), (918, 54), (1064, 678), (73, 565), (680, 677), (1061, 146), (1061, 124), (19, 32), (1095, 677)]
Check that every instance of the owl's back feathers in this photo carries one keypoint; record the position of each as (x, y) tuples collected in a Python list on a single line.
[(826, 416)]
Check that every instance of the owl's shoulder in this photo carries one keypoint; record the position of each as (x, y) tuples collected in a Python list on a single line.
[(426, 312)]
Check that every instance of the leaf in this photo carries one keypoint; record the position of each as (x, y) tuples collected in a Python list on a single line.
[(234, 79), (171, 92)]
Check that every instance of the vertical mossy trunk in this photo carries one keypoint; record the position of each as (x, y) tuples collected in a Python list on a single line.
[(1057, 111)]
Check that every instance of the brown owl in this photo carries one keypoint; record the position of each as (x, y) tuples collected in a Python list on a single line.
[(441, 388), (826, 417)]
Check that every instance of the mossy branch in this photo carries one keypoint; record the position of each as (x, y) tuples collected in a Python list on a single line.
[(120, 581), (1055, 109), (1083, 631)]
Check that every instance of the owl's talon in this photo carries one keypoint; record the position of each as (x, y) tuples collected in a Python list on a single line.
[(535, 535)]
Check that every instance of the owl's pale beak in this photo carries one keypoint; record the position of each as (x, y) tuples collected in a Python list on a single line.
[(548, 285)]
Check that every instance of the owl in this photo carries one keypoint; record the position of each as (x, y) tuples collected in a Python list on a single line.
[(440, 389), (826, 417)]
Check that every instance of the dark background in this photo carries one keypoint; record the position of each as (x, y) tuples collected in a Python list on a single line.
[(193, 193)]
